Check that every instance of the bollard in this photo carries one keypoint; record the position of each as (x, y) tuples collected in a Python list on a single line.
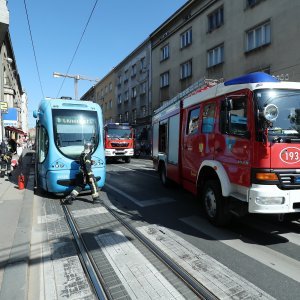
[(21, 181)]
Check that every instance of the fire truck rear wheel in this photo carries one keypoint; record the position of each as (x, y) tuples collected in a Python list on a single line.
[(215, 205), (163, 176)]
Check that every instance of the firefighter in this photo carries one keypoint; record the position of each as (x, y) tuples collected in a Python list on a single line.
[(5, 159), (85, 176)]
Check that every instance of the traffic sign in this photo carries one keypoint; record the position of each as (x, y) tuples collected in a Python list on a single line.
[(3, 107)]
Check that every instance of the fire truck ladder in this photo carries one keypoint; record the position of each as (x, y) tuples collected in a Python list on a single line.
[(204, 82)]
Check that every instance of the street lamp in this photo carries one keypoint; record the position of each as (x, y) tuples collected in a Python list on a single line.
[(76, 78)]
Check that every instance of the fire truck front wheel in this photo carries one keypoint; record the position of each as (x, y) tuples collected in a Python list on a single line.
[(163, 175), (215, 205)]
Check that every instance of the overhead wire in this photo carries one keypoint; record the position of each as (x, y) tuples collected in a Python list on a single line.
[(33, 48), (88, 21)]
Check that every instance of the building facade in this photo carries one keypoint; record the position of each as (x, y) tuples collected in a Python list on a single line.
[(223, 39)]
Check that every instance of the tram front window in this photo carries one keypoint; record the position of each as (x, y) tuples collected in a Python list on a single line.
[(72, 128)]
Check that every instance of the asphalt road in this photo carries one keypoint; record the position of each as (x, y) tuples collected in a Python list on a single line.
[(257, 251)]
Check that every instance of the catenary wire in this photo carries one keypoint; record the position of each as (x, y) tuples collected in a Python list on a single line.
[(87, 23), (33, 48)]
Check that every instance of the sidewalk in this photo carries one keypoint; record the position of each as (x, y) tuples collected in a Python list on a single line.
[(15, 230)]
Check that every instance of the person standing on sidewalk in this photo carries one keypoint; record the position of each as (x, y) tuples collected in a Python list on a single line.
[(5, 158), (85, 176)]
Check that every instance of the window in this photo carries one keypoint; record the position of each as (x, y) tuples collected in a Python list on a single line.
[(126, 96), (102, 93), (43, 144), (126, 76), (208, 118), (233, 120), (133, 92), (186, 38), (258, 36), (134, 115), (143, 88), (216, 19), (193, 121), (164, 79), (106, 89), (164, 53), (120, 118), (251, 3), (133, 70), (126, 116), (119, 99), (215, 56), (119, 79), (143, 109), (110, 87), (143, 63), (186, 69), (110, 104)]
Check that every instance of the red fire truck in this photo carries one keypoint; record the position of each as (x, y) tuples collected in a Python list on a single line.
[(236, 145), (118, 141)]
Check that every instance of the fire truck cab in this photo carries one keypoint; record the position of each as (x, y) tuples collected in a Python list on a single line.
[(236, 145), (118, 141)]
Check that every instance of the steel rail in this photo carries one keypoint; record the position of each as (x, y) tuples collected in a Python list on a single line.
[(87, 261), (200, 290)]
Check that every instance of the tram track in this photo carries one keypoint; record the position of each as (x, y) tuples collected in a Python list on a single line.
[(94, 275)]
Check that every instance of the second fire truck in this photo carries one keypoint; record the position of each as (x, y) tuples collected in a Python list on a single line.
[(236, 145), (118, 141)]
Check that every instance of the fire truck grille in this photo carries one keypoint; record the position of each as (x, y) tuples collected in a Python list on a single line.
[(289, 179), (119, 145)]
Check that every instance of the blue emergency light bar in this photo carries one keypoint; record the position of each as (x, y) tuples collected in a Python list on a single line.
[(255, 77)]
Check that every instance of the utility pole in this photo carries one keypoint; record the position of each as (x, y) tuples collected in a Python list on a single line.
[(76, 78)]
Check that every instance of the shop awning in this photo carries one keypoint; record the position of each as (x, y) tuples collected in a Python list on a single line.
[(14, 129)]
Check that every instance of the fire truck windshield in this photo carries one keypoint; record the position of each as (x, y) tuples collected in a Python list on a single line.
[(119, 133), (287, 124)]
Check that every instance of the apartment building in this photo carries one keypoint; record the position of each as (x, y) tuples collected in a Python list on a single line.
[(222, 39), (132, 92)]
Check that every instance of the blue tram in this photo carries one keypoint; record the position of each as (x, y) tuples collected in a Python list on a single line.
[(62, 128)]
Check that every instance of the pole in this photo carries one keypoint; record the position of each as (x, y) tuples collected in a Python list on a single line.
[(76, 87)]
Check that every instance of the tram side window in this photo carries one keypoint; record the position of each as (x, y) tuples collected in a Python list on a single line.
[(43, 144), (193, 121)]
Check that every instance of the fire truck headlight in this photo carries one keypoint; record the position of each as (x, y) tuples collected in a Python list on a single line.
[(270, 200)]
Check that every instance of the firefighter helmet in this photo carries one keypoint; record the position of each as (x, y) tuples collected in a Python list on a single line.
[(88, 146)]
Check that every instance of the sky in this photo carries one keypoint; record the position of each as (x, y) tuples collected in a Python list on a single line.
[(115, 29)]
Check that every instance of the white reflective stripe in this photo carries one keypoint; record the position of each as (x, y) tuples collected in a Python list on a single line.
[(138, 276), (74, 192)]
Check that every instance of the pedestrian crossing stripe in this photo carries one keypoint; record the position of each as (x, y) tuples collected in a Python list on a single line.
[(217, 278)]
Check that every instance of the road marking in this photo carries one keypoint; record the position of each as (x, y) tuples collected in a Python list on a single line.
[(145, 203), (275, 230), (274, 260), (220, 280), (136, 170), (138, 276), (89, 212)]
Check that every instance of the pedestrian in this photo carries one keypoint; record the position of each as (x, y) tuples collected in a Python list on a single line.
[(85, 176), (5, 158)]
